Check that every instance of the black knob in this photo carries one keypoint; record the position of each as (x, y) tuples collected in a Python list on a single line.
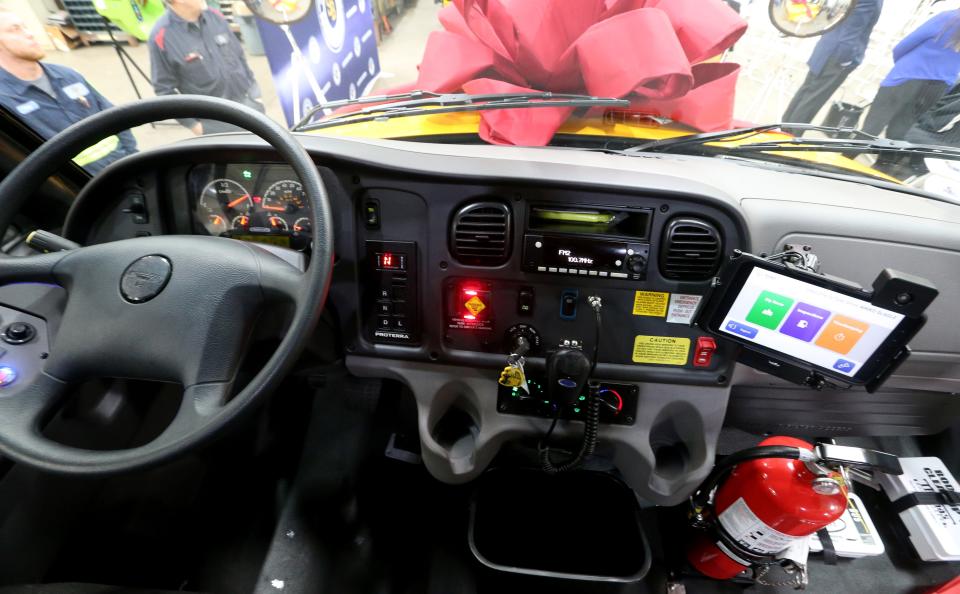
[(18, 333), (636, 264)]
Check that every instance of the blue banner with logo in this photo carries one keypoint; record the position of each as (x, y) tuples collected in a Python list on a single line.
[(328, 55)]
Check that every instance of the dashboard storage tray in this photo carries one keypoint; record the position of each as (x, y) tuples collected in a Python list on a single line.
[(578, 525)]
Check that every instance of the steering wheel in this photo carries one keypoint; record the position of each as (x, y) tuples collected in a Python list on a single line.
[(166, 308)]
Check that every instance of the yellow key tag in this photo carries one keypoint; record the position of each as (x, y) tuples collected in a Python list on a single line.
[(511, 377)]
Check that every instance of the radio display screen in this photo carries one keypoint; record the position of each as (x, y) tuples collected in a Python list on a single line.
[(584, 254), (808, 322)]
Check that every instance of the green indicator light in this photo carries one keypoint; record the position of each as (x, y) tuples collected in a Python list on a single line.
[(546, 402), (576, 410), (582, 398), (247, 174)]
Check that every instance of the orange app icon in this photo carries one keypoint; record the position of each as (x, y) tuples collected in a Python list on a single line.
[(841, 334)]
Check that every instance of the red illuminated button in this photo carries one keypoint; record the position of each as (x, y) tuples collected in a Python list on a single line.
[(703, 353)]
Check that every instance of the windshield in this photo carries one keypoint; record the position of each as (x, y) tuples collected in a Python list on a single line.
[(630, 73)]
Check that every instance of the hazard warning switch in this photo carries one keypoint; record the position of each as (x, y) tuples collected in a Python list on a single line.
[(470, 306), (473, 302), (703, 353)]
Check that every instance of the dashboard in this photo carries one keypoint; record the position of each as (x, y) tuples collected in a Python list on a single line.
[(448, 257)]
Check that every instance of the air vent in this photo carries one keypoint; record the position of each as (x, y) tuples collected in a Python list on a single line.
[(690, 250), (480, 234)]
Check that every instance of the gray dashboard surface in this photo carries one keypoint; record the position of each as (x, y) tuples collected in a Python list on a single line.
[(856, 229)]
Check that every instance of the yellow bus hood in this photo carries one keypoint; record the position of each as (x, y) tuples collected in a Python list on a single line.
[(422, 127)]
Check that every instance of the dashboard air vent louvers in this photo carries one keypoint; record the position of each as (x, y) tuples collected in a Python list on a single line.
[(690, 250), (481, 234)]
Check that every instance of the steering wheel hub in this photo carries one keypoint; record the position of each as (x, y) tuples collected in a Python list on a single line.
[(145, 278)]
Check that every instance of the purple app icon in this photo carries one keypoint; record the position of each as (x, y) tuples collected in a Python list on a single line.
[(804, 321)]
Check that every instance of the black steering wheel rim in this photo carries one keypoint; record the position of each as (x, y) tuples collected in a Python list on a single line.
[(307, 290)]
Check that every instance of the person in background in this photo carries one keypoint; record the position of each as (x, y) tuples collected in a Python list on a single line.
[(926, 64), (938, 126), (836, 55), (193, 52), (50, 97)]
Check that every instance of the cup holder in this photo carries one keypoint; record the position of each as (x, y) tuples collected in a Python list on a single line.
[(454, 434), (455, 430), (676, 439), (671, 459)]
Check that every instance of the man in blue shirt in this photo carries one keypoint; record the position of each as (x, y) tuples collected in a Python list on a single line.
[(49, 97), (837, 54)]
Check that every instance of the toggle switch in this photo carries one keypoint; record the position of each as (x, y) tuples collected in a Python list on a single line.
[(525, 299), (568, 304), (703, 352)]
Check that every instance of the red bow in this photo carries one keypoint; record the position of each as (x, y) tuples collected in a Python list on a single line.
[(649, 51)]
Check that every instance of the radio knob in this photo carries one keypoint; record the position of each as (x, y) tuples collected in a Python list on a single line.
[(636, 264)]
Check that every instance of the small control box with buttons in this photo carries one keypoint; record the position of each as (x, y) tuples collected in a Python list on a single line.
[(391, 292), (24, 350)]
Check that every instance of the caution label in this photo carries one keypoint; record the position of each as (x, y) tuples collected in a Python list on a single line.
[(475, 305), (650, 303), (662, 350)]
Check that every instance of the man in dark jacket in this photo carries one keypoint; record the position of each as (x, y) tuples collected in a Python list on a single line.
[(193, 52), (837, 54), (48, 97)]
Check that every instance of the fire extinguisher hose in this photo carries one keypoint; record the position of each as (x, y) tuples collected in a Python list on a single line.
[(724, 466)]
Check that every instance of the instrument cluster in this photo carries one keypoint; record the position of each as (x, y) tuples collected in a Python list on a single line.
[(251, 202)]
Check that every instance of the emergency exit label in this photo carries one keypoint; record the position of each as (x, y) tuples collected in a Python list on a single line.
[(650, 303), (662, 350)]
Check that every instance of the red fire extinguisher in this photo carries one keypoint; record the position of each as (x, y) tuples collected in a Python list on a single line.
[(764, 505)]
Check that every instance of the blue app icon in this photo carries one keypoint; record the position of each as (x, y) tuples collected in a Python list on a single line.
[(742, 329), (844, 365)]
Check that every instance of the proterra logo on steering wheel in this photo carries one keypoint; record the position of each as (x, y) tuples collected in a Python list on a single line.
[(333, 23)]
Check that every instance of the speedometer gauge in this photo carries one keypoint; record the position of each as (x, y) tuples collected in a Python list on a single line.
[(284, 197), (222, 200)]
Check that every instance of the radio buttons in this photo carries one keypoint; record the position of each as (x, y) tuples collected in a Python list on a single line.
[(604, 273), (551, 269), (541, 268), (618, 275)]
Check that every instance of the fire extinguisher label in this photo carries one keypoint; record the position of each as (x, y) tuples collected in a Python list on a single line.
[(750, 531)]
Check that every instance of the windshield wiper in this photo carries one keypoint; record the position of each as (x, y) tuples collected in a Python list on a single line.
[(857, 140), (667, 145), (425, 102)]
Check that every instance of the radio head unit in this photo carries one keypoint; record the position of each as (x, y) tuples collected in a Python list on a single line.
[(563, 254)]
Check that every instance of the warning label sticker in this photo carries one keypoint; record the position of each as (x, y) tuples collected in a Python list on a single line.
[(750, 531), (663, 350), (682, 307), (475, 305), (650, 303)]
